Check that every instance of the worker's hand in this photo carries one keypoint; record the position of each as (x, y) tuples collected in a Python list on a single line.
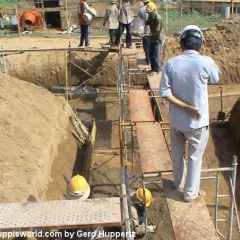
[(193, 112), (140, 230)]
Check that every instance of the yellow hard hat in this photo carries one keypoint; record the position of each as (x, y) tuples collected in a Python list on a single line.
[(148, 196), (151, 6), (77, 186)]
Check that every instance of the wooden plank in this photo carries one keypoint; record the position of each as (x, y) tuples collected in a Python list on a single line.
[(189, 220), (60, 214), (154, 153), (140, 106), (141, 62), (154, 81), (89, 152), (129, 51)]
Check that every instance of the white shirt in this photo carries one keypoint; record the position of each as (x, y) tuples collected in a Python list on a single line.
[(111, 15), (126, 12), (186, 77)]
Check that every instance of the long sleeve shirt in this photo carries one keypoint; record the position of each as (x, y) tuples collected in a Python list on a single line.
[(144, 16), (186, 77), (126, 12), (112, 15), (156, 30), (83, 7)]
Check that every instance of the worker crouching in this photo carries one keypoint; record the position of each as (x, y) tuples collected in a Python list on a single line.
[(78, 188), (138, 199)]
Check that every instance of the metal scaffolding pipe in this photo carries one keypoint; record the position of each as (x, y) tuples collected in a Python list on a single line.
[(125, 205), (233, 182), (58, 49)]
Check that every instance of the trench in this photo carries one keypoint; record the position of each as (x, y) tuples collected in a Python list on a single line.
[(102, 168)]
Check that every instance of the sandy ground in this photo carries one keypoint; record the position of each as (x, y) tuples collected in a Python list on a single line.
[(27, 111)]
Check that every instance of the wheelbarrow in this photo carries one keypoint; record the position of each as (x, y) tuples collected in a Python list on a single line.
[(221, 114)]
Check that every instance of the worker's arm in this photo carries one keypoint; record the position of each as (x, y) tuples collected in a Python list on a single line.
[(214, 71), (120, 5), (192, 111), (105, 18), (165, 91)]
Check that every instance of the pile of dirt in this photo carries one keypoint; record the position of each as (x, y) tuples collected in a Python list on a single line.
[(48, 68), (33, 125), (221, 42)]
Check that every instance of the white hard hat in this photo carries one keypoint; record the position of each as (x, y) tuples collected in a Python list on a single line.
[(191, 31)]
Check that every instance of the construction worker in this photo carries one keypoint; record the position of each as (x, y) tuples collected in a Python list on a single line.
[(184, 84), (125, 20), (138, 199), (111, 15), (142, 14), (84, 8), (78, 188), (1, 21), (156, 37)]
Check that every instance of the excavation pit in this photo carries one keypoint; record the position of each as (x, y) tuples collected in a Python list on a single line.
[(24, 100)]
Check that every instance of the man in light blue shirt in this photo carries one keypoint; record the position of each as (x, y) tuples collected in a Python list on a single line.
[(184, 84), (142, 14)]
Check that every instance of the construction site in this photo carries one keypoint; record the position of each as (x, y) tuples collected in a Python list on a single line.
[(94, 111)]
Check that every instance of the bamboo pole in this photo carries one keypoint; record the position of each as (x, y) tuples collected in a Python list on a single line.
[(66, 72), (125, 204), (120, 141), (18, 23), (133, 156)]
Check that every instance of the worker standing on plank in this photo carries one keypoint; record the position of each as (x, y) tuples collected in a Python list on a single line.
[(111, 16), (156, 37), (84, 8), (125, 20), (142, 14), (184, 84)]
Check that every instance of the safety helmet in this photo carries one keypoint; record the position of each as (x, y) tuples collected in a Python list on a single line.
[(148, 196), (113, 1), (151, 6), (146, 1), (78, 187), (191, 31)]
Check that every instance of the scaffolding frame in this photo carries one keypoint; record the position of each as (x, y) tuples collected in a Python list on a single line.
[(127, 129)]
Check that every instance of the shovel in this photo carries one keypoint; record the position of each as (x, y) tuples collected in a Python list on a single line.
[(221, 114)]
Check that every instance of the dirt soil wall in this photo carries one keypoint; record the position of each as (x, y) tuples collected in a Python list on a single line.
[(221, 42), (234, 125), (33, 125)]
